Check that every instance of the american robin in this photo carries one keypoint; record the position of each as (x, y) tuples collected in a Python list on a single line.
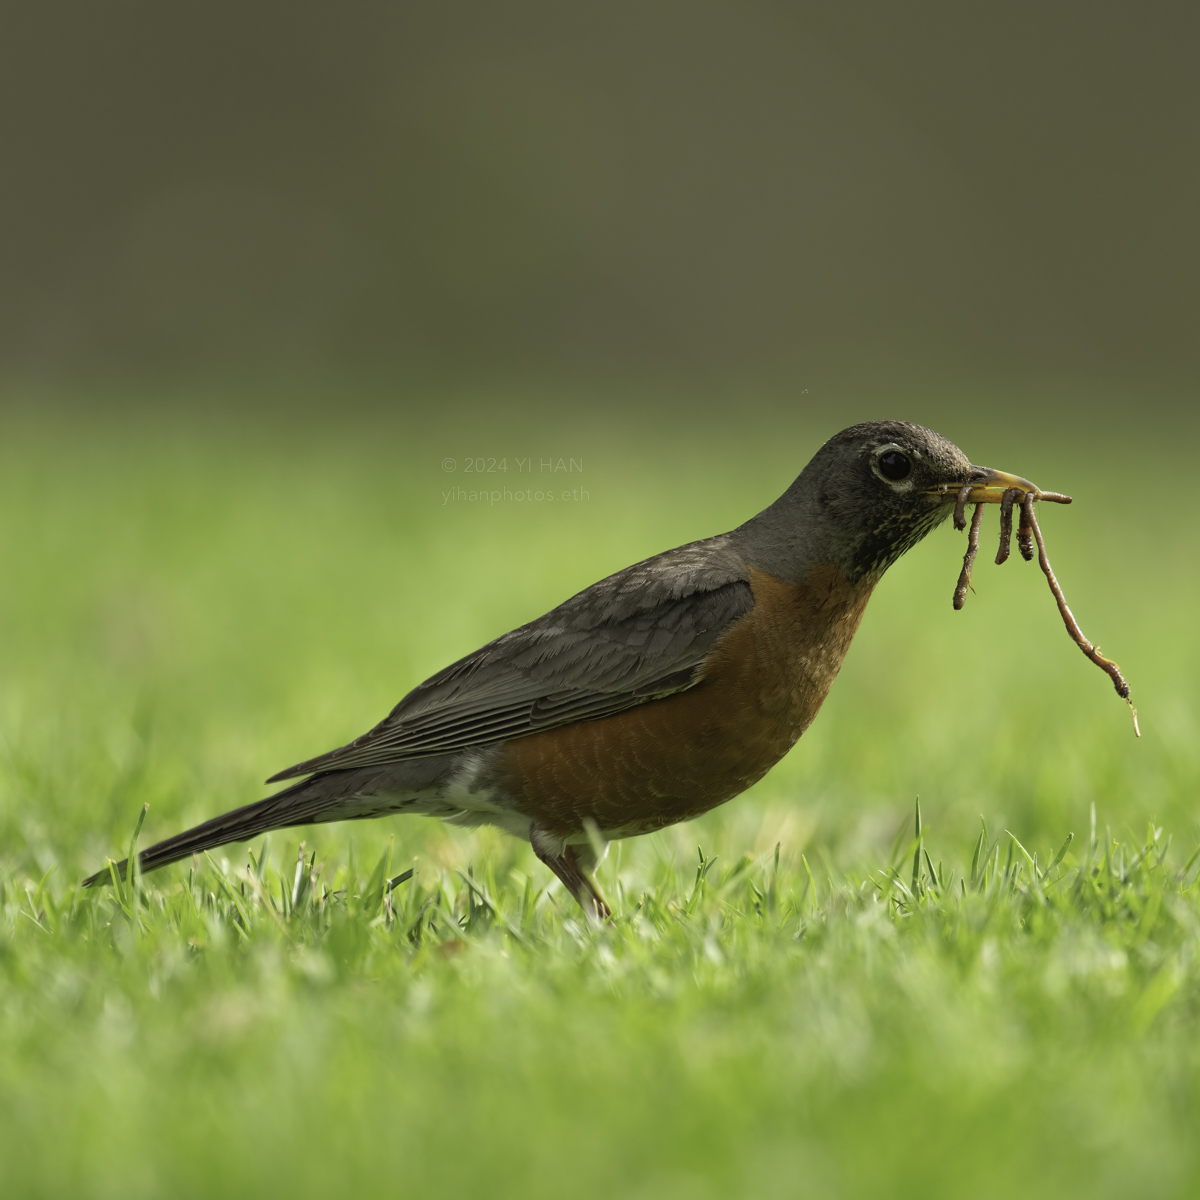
[(651, 696)]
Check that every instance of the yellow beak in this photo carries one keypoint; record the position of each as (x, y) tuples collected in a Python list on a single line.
[(988, 487)]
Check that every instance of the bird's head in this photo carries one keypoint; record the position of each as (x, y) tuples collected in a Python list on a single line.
[(868, 495)]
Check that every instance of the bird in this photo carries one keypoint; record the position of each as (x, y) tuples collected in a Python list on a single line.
[(651, 696)]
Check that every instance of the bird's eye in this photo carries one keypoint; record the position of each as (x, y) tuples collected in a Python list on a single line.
[(894, 466)]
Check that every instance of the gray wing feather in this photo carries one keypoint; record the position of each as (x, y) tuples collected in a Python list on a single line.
[(633, 637)]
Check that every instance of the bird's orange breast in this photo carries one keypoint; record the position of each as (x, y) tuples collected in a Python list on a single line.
[(674, 758)]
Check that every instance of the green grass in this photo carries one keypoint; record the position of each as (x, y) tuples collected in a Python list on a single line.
[(821, 1004)]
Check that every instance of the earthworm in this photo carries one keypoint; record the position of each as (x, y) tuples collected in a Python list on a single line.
[(1029, 532), (960, 507), (964, 576), (1006, 506), (1105, 664)]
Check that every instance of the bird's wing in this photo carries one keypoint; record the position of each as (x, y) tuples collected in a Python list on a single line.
[(636, 636)]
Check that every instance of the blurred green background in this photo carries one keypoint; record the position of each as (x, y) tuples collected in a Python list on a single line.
[(272, 276)]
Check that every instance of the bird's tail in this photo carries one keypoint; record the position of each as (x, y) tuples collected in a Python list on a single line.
[(301, 804)]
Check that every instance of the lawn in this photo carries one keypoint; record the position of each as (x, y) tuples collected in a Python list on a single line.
[(798, 994)]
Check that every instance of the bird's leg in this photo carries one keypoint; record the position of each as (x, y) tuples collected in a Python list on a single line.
[(567, 862)]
